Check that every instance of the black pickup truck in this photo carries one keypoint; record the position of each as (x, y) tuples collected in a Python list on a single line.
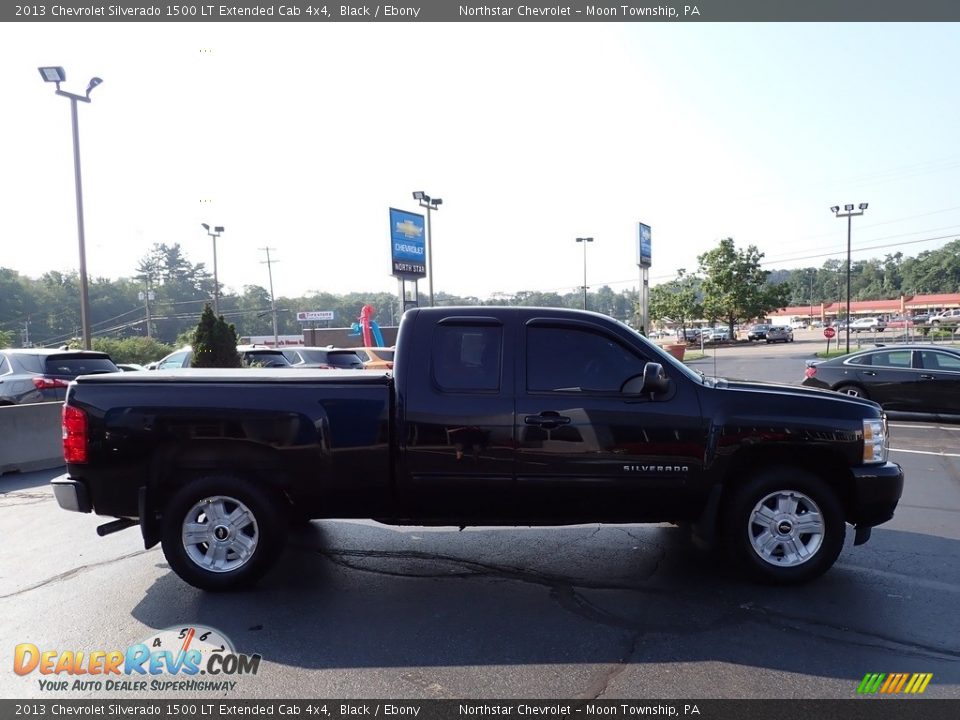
[(492, 416)]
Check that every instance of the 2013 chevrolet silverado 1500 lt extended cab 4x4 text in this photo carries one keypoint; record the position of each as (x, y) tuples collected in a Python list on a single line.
[(492, 416)]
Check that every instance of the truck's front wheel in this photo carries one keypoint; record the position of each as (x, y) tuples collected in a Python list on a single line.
[(785, 526), (222, 532)]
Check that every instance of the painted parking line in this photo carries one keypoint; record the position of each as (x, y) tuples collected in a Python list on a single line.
[(925, 452)]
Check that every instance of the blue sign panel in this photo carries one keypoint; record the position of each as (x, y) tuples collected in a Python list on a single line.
[(643, 245), (407, 244)]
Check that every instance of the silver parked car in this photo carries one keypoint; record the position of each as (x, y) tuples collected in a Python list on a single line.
[(779, 333), (325, 358), (34, 375), (947, 318), (250, 356)]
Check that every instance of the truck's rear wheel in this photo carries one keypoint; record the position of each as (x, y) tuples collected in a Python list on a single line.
[(785, 526), (222, 532)]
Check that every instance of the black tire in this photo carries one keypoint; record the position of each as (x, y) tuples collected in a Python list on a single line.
[(248, 549), (757, 502), (853, 391)]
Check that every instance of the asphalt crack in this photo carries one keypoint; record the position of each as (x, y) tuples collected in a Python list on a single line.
[(72, 573), (602, 682), (19, 498), (563, 590)]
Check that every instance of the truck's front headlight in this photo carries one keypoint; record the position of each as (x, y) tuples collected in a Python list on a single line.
[(875, 441)]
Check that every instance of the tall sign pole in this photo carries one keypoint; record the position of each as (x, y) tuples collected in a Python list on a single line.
[(644, 257)]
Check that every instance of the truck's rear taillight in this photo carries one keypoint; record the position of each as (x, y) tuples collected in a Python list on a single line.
[(74, 435), (810, 372), (45, 383)]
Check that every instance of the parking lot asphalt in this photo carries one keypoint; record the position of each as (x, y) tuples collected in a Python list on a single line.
[(363, 610)]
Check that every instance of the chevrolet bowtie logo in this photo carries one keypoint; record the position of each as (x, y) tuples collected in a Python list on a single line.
[(409, 230)]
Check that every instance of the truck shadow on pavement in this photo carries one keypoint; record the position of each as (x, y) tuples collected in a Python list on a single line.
[(362, 595)]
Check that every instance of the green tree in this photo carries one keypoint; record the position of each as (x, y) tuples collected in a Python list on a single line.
[(735, 287), (140, 350), (676, 301), (214, 342), (6, 339)]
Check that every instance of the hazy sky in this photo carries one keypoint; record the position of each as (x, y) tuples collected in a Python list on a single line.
[(301, 136)]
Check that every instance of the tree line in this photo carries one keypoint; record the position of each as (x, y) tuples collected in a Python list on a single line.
[(728, 285)]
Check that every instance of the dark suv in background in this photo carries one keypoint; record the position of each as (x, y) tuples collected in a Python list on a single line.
[(34, 375), (758, 331)]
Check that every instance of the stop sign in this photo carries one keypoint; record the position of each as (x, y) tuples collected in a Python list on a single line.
[(829, 332)]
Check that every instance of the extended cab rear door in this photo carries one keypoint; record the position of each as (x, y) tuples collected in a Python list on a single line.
[(584, 449), (457, 417)]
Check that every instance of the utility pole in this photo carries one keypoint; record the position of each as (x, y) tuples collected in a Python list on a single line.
[(146, 297), (273, 304), (584, 241)]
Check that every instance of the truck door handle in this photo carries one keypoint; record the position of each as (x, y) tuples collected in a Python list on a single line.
[(927, 377), (870, 373), (547, 420)]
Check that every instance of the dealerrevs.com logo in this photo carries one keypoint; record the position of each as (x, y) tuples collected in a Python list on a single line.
[(196, 658)]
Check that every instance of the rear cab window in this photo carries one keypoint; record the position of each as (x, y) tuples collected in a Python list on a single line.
[(467, 358)]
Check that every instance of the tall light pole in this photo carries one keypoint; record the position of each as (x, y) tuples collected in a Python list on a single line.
[(585, 240), (58, 75), (430, 204), (215, 233), (848, 214)]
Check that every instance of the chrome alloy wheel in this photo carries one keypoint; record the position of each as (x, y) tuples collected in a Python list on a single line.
[(786, 528), (220, 534)]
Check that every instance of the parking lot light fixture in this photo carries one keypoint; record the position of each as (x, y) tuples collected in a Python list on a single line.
[(215, 233), (848, 215), (56, 74), (53, 74)]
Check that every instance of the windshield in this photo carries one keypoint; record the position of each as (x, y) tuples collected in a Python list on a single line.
[(665, 358)]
